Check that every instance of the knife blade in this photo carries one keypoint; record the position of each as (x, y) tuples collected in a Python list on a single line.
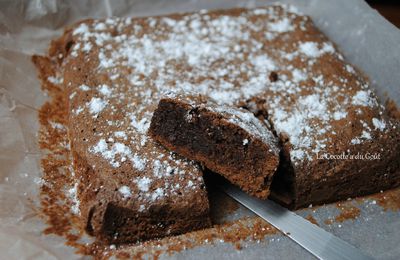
[(314, 239)]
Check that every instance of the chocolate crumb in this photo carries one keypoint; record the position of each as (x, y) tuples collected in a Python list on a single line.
[(348, 212), (388, 200), (273, 76), (312, 219)]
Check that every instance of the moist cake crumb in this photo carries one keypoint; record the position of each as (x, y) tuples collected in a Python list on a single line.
[(227, 140)]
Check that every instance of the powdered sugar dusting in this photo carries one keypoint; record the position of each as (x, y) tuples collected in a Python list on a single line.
[(157, 194), (81, 29), (55, 80), (140, 125), (105, 90), (73, 194), (121, 134), (295, 124), (280, 26), (338, 115), (125, 191), (379, 124), (84, 87), (138, 162), (247, 121), (363, 98), (311, 49), (298, 75), (143, 184), (111, 152), (96, 105), (117, 153)]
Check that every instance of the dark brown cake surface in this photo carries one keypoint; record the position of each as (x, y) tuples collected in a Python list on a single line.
[(227, 140)]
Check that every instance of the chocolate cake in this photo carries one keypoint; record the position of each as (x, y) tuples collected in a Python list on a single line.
[(271, 61), (227, 140)]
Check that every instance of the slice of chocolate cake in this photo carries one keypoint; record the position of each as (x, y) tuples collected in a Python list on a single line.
[(227, 140)]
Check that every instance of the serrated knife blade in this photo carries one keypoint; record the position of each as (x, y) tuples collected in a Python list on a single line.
[(314, 239)]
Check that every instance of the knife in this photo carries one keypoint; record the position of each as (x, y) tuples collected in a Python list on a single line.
[(314, 239)]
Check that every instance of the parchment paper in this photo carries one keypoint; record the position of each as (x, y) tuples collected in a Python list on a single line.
[(367, 40)]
